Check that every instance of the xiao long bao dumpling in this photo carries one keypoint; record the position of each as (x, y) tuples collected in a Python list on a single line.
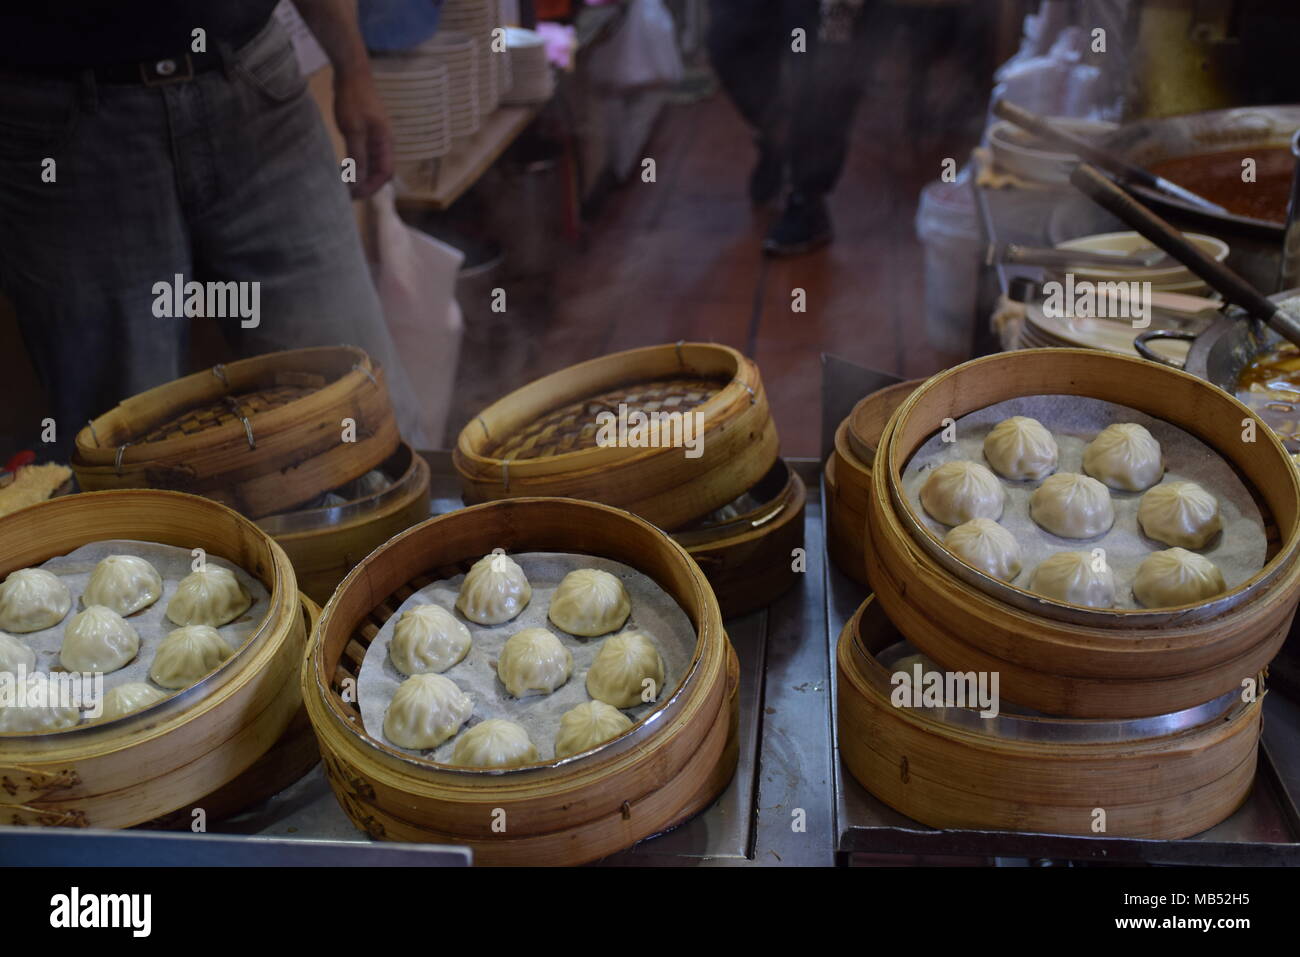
[(494, 591), (129, 698), (211, 597), (1072, 506), (588, 725), (1176, 577), (985, 545), (187, 654), (956, 492), (426, 711), (1181, 514), (428, 640), (98, 639), (123, 583), (494, 743), (1079, 578), (32, 599), (534, 661), (14, 654), (31, 705), (590, 602), (1020, 448), (627, 671), (1125, 456)]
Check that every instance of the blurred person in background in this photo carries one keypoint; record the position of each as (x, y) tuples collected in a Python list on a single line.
[(153, 139), (798, 93)]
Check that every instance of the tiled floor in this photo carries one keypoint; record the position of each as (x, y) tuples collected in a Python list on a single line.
[(679, 259)]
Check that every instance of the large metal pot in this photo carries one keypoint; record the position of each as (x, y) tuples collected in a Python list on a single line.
[(1256, 243), (1224, 349)]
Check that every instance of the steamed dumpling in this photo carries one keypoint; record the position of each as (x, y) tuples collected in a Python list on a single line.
[(534, 661), (123, 583), (426, 711), (1181, 514), (32, 706), (428, 640), (588, 725), (590, 602), (187, 654), (1072, 506), (98, 639), (1020, 448), (627, 671), (956, 492), (1176, 577), (1079, 578), (14, 654), (129, 698), (1125, 456), (32, 599), (984, 544), (494, 591), (494, 743), (212, 597)]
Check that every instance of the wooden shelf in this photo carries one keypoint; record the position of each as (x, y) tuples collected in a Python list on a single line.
[(470, 158)]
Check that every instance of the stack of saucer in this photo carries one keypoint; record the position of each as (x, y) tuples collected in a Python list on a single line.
[(415, 95), (459, 53), (477, 19), (532, 80)]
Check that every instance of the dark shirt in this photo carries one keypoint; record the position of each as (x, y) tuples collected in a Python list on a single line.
[(85, 33)]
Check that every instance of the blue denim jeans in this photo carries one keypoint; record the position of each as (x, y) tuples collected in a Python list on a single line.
[(228, 176)]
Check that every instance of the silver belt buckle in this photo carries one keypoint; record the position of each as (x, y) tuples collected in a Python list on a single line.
[(165, 72)]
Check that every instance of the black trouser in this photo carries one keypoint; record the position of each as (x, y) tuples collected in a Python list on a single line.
[(799, 104)]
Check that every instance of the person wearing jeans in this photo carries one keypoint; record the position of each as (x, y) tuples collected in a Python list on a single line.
[(798, 93), (128, 157)]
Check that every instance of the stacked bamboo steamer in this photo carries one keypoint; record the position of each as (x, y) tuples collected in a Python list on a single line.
[(1115, 666), (848, 476), (303, 441), (667, 767), (206, 746), (735, 506)]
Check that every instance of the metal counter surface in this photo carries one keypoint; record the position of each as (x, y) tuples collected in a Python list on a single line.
[(790, 802)]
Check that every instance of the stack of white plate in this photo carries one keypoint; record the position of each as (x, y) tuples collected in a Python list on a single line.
[(531, 77), (459, 53), (1170, 277), (1042, 331), (477, 19), (416, 97)]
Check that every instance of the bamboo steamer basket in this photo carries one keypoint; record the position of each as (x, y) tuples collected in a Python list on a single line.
[(541, 439), (848, 476), (1156, 778), (749, 558), (848, 483), (1062, 659), (668, 767), (125, 772), (261, 435), (325, 543), (289, 759)]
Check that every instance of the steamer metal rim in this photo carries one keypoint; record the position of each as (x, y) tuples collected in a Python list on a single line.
[(633, 736), (1063, 611)]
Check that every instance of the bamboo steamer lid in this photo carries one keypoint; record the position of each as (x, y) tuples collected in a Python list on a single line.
[(261, 435), (543, 439)]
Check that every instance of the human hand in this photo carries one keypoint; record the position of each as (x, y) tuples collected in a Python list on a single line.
[(363, 121)]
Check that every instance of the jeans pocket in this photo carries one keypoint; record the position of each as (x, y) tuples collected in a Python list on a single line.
[(36, 117), (276, 75)]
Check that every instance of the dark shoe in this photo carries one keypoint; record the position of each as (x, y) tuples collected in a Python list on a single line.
[(804, 225), (765, 180)]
